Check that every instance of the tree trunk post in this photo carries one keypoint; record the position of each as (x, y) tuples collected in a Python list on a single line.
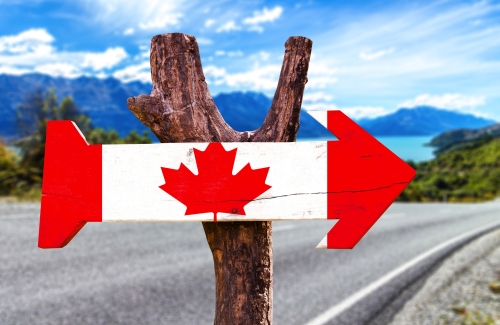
[(181, 109)]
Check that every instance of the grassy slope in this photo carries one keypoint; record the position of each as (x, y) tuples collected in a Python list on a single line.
[(470, 174)]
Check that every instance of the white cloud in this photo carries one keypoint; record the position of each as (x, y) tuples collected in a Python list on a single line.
[(204, 41), (259, 78), (320, 106), (162, 22), (108, 59), (102, 75), (145, 52), (368, 56), (321, 74), (234, 53), (32, 51), (264, 56), (438, 48), (212, 71), (141, 72), (13, 70), (59, 70), (263, 74), (129, 31), (209, 23), (153, 14), (355, 112), (230, 54), (35, 40), (256, 28), (448, 101), (358, 112), (264, 16), (317, 97), (227, 27)]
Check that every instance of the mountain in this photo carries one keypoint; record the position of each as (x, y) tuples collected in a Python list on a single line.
[(104, 100), (457, 139), (247, 111), (467, 174), (422, 120)]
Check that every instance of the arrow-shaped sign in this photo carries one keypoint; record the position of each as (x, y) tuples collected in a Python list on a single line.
[(354, 179)]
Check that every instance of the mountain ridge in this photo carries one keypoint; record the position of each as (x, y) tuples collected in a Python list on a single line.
[(104, 100), (421, 121), (457, 139)]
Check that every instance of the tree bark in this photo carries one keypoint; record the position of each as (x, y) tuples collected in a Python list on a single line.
[(181, 109)]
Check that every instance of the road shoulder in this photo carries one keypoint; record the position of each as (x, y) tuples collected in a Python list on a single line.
[(458, 291)]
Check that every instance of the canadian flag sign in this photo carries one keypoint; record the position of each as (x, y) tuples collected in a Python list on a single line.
[(354, 179)]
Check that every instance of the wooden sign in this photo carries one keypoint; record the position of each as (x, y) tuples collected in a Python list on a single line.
[(354, 179)]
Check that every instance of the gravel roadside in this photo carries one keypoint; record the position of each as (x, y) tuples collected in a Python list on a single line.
[(462, 291)]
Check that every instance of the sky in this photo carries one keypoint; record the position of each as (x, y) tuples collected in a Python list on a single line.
[(368, 58)]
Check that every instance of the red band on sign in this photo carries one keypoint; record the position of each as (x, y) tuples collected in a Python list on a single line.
[(364, 178), (72, 185)]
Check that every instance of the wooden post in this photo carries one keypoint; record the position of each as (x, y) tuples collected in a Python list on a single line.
[(181, 109)]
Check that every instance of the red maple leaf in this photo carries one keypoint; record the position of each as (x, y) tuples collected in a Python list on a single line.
[(215, 188)]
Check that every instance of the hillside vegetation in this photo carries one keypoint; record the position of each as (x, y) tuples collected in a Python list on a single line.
[(21, 169), (461, 138), (470, 173)]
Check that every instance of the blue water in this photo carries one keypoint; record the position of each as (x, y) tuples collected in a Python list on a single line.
[(409, 147), (405, 147)]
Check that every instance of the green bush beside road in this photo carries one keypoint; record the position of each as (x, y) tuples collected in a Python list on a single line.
[(468, 174)]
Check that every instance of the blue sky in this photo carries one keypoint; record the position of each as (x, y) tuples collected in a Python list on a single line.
[(369, 57)]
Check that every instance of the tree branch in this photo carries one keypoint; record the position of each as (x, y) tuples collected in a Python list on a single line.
[(282, 120), (180, 109)]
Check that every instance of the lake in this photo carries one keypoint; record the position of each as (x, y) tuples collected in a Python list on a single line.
[(405, 147)]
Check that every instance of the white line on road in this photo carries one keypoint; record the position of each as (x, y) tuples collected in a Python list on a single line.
[(336, 310)]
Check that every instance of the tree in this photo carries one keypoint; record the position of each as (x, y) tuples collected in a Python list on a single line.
[(180, 109), (99, 135), (32, 116), (8, 168)]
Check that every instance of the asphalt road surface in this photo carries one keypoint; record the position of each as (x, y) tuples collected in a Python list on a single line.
[(162, 273)]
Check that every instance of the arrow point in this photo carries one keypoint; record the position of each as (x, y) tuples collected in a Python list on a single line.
[(362, 183), (323, 243), (72, 185), (320, 116)]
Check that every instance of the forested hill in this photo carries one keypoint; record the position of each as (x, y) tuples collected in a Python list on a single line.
[(461, 138), (104, 100), (468, 174)]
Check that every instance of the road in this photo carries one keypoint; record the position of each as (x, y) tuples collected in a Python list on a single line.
[(162, 273)]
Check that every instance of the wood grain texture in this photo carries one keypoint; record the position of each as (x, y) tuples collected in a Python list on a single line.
[(243, 261), (181, 109)]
